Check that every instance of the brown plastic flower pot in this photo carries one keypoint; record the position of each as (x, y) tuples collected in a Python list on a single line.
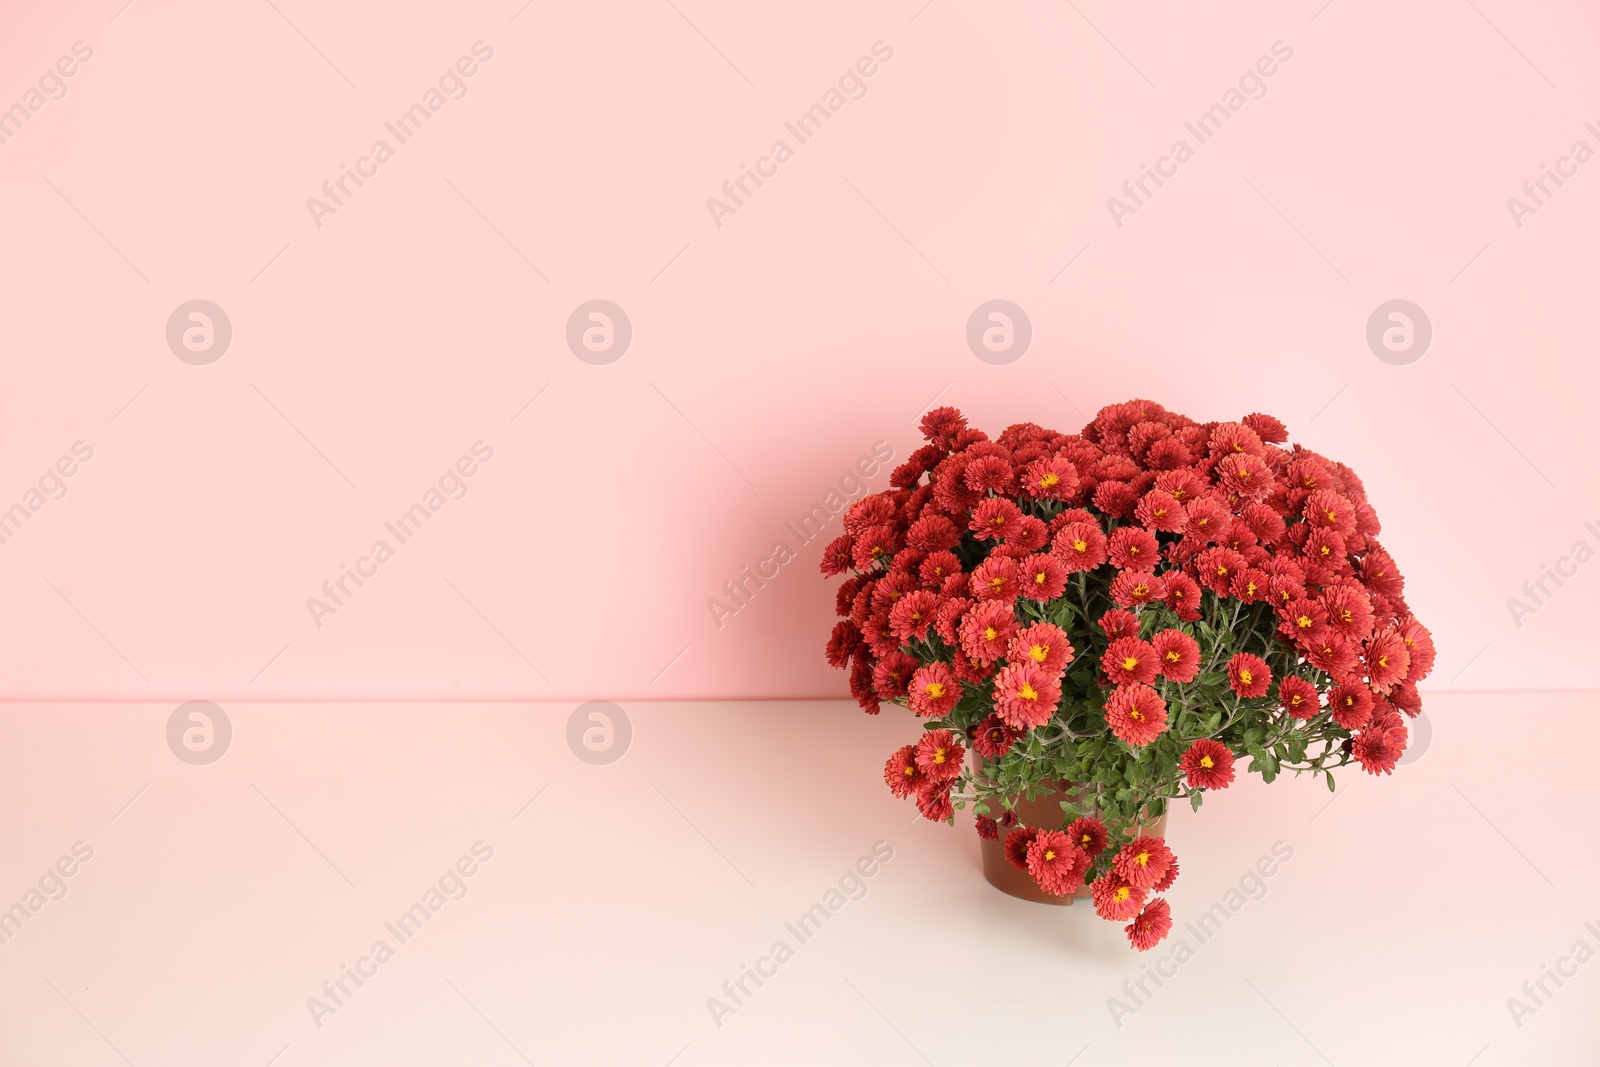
[(1043, 811)]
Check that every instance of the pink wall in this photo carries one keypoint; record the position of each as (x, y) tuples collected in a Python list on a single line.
[(768, 353)]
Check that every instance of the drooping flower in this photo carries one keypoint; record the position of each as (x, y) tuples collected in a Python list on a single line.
[(1115, 898), (1025, 695), (1153, 924), (934, 690), (993, 738), (1089, 834), (842, 643), (1143, 861), (1208, 764), (893, 674), (987, 828), (1056, 863), (1017, 842), (1378, 750), (1177, 655), (1166, 879), (1044, 644), (1419, 642), (1248, 675), (933, 801), (1128, 659), (939, 756), (838, 556), (1136, 713), (901, 772)]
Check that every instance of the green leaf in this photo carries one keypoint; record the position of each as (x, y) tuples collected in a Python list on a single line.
[(1194, 800), (1329, 776)]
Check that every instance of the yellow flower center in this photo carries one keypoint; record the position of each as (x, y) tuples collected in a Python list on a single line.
[(1121, 893), (1304, 622), (1140, 589), (1040, 578), (1048, 480), (1028, 692), (910, 771), (1049, 854), (1246, 677), (1080, 545), (1207, 762), (938, 755), (934, 689), (1038, 653), (1129, 662), (988, 633), (1136, 715), (1383, 661), (997, 582), (1142, 859), (1173, 657)]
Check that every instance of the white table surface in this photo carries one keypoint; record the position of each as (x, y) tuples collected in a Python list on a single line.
[(222, 897)]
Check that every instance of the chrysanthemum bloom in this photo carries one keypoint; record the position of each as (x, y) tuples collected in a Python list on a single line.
[(1327, 510), (985, 629), (939, 756), (889, 589), (1235, 438), (842, 643), (1136, 714), (1133, 547), (941, 426), (1304, 621), (1166, 879), (912, 615), (1153, 924), (1270, 429), (1133, 588), (938, 566), (1217, 566), (893, 674), (948, 617), (1158, 510), (1244, 476), (1207, 518), (1128, 659), (1115, 498), (987, 828), (838, 556), (1168, 454), (1089, 834), (1008, 818), (875, 510), (901, 771), (1387, 661), (1419, 642), (1407, 699), (1080, 546), (933, 801), (1250, 585), (1119, 623), (1264, 522), (1298, 697), (1049, 479), (1183, 595), (996, 579), (1027, 534), (1379, 572), (1350, 705), (1056, 863), (993, 738), (1041, 577), (993, 517), (933, 533), (1142, 861), (873, 546), (1115, 899), (989, 473), (1043, 644), (933, 690), (1332, 655), (861, 672), (1025, 696), (1017, 842), (1378, 750), (1177, 655), (1207, 764), (1248, 675), (970, 670)]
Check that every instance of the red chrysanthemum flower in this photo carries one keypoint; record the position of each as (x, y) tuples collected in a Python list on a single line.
[(1248, 675), (1327, 510), (1115, 899), (1043, 644), (1217, 566), (1177, 655), (1183, 595), (1133, 588), (994, 517), (993, 737), (1166, 879), (1053, 478), (933, 801), (901, 771), (1207, 764), (838, 556), (874, 545), (989, 473), (987, 828), (1350, 705), (948, 617), (985, 630), (1378, 570), (893, 674), (1269, 429), (933, 533), (1128, 659), (1143, 861), (939, 756), (1017, 842), (1041, 577), (842, 643), (1208, 518), (1027, 534), (1304, 621), (1250, 585), (1379, 750), (1235, 438), (1326, 547), (941, 426), (1298, 697), (1136, 714), (1244, 476), (1159, 510), (1089, 834), (1025, 696), (1332, 655), (1387, 661), (1056, 863), (1133, 547), (1080, 546), (912, 615), (1419, 642), (934, 690), (996, 579), (1153, 924), (1119, 623), (938, 566)]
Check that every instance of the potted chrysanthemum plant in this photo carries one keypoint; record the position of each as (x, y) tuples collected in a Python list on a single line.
[(1094, 625)]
